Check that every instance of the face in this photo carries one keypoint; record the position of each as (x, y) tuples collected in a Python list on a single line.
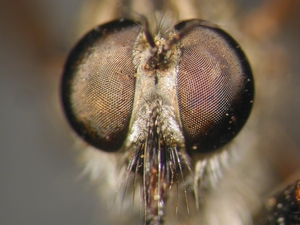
[(157, 101)]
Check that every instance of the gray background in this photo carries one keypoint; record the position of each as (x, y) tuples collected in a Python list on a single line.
[(39, 176)]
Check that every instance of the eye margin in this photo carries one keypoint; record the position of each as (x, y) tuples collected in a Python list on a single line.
[(79, 52)]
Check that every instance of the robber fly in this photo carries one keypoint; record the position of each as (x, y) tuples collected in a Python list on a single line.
[(162, 95)]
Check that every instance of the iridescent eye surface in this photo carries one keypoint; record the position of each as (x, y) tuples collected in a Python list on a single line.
[(98, 84), (215, 86), (211, 98)]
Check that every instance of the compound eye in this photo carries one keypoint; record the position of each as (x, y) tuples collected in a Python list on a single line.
[(98, 84), (215, 86)]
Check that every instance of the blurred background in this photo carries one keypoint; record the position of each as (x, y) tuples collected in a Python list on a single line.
[(40, 180)]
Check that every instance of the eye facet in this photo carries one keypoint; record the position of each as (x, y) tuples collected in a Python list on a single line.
[(98, 84), (215, 86)]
